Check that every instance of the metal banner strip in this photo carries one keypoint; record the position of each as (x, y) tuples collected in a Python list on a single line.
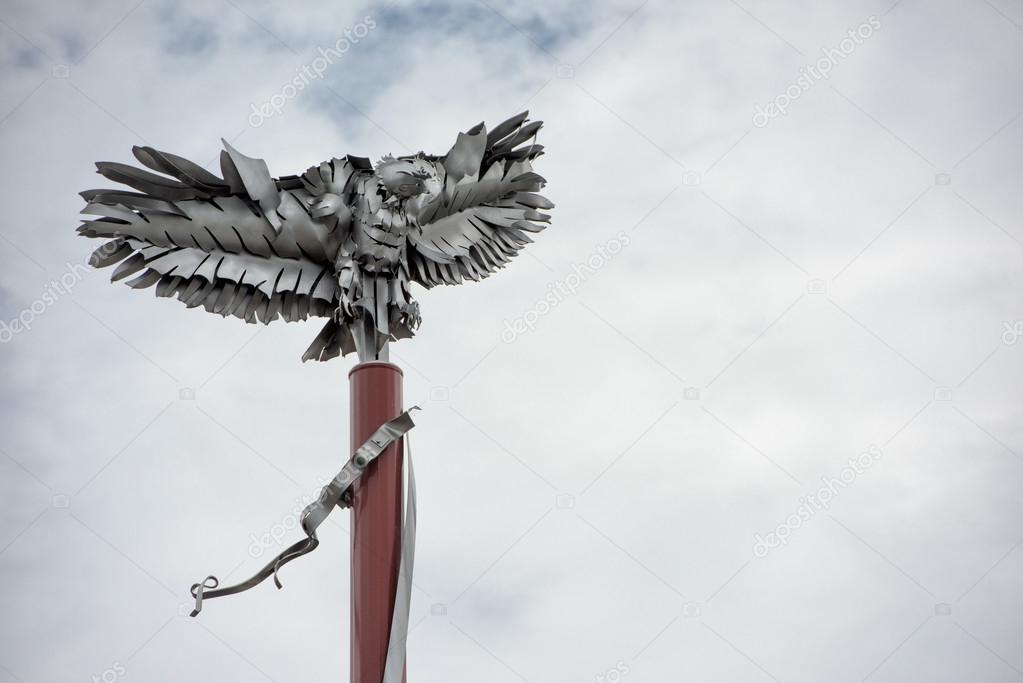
[(394, 665), (332, 495)]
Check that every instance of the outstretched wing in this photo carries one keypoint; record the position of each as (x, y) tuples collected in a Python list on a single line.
[(244, 245), (488, 205)]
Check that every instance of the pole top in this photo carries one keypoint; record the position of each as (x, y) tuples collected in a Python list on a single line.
[(375, 364)]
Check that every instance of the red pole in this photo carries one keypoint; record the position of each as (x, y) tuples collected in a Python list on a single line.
[(376, 397)]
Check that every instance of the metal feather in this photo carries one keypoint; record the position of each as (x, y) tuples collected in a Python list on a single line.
[(344, 240)]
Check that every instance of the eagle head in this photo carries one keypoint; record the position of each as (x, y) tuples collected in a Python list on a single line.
[(408, 177)]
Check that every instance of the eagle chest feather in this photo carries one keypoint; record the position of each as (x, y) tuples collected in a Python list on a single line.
[(379, 232)]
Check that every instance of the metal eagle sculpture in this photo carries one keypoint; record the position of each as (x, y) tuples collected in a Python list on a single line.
[(343, 240)]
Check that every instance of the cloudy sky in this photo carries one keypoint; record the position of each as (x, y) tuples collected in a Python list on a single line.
[(775, 435)]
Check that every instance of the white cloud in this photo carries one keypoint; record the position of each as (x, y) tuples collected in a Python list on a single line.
[(645, 558)]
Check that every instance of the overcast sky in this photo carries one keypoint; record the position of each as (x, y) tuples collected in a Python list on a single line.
[(790, 236)]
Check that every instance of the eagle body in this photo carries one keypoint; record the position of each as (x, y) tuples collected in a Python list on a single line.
[(344, 240)]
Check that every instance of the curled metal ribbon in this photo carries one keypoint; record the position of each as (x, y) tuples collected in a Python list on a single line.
[(394, 664), (332, 495)]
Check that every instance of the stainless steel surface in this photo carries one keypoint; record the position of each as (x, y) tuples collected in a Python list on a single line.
[(343, 241), (397, 644), (332, 495)]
